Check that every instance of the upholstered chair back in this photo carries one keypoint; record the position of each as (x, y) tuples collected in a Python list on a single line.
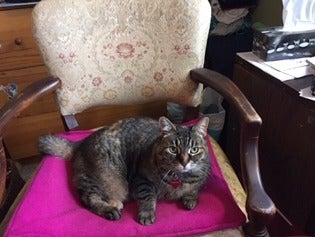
[(106, 53)]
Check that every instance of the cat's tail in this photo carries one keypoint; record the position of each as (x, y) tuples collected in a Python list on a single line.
[(56, 146)]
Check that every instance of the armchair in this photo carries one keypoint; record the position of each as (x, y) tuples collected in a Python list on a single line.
[(111, 53)]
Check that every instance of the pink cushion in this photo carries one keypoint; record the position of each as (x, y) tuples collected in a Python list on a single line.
[(51, 207)]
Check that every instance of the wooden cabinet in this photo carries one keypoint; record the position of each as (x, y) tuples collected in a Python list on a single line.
[(286, 145), (21, 63)]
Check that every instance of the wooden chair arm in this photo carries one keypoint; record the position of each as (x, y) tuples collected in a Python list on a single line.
[(14, 108), (259, 206)]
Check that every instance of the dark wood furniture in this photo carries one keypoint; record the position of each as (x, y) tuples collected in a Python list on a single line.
[(287, 140)]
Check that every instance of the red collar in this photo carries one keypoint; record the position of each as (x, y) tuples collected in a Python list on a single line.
[(175, 182), (173, 179)]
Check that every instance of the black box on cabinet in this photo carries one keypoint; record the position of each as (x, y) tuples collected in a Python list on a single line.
[(275, 44)]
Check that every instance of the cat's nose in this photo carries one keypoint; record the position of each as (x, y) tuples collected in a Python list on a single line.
[(184, 160), (184, 163), (183, 168)]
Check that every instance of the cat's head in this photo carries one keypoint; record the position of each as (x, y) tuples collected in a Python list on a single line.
[(182, 149)]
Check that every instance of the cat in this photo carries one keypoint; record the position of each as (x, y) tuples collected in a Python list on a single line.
[(139, 158)]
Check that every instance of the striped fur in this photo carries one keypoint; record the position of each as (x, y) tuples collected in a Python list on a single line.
[(138, 158)]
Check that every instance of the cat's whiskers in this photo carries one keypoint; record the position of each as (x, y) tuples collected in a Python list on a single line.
[(166, 174)]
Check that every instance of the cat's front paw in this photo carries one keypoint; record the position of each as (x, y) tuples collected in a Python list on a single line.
[(112, 214), (146, 217), (190, 202)]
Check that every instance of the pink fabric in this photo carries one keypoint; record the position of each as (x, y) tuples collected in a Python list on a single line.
[(51, 208)]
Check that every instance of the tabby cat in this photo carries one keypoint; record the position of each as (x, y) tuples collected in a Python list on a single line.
[(138, 158)]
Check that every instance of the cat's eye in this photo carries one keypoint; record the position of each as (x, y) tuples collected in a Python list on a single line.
[(172, 149), (194, 150)]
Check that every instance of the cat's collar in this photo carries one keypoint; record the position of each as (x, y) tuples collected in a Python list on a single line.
[(173, 179)]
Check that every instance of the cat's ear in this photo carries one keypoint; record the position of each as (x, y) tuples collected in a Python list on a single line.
[(166, 125), (202, 126)]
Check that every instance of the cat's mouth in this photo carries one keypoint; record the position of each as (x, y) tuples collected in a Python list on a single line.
[(186, 168)]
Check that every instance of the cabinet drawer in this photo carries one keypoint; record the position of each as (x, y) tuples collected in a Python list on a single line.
[(17, 46)]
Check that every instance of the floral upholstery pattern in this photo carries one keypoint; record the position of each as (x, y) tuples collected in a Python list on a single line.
[(123, 51)]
